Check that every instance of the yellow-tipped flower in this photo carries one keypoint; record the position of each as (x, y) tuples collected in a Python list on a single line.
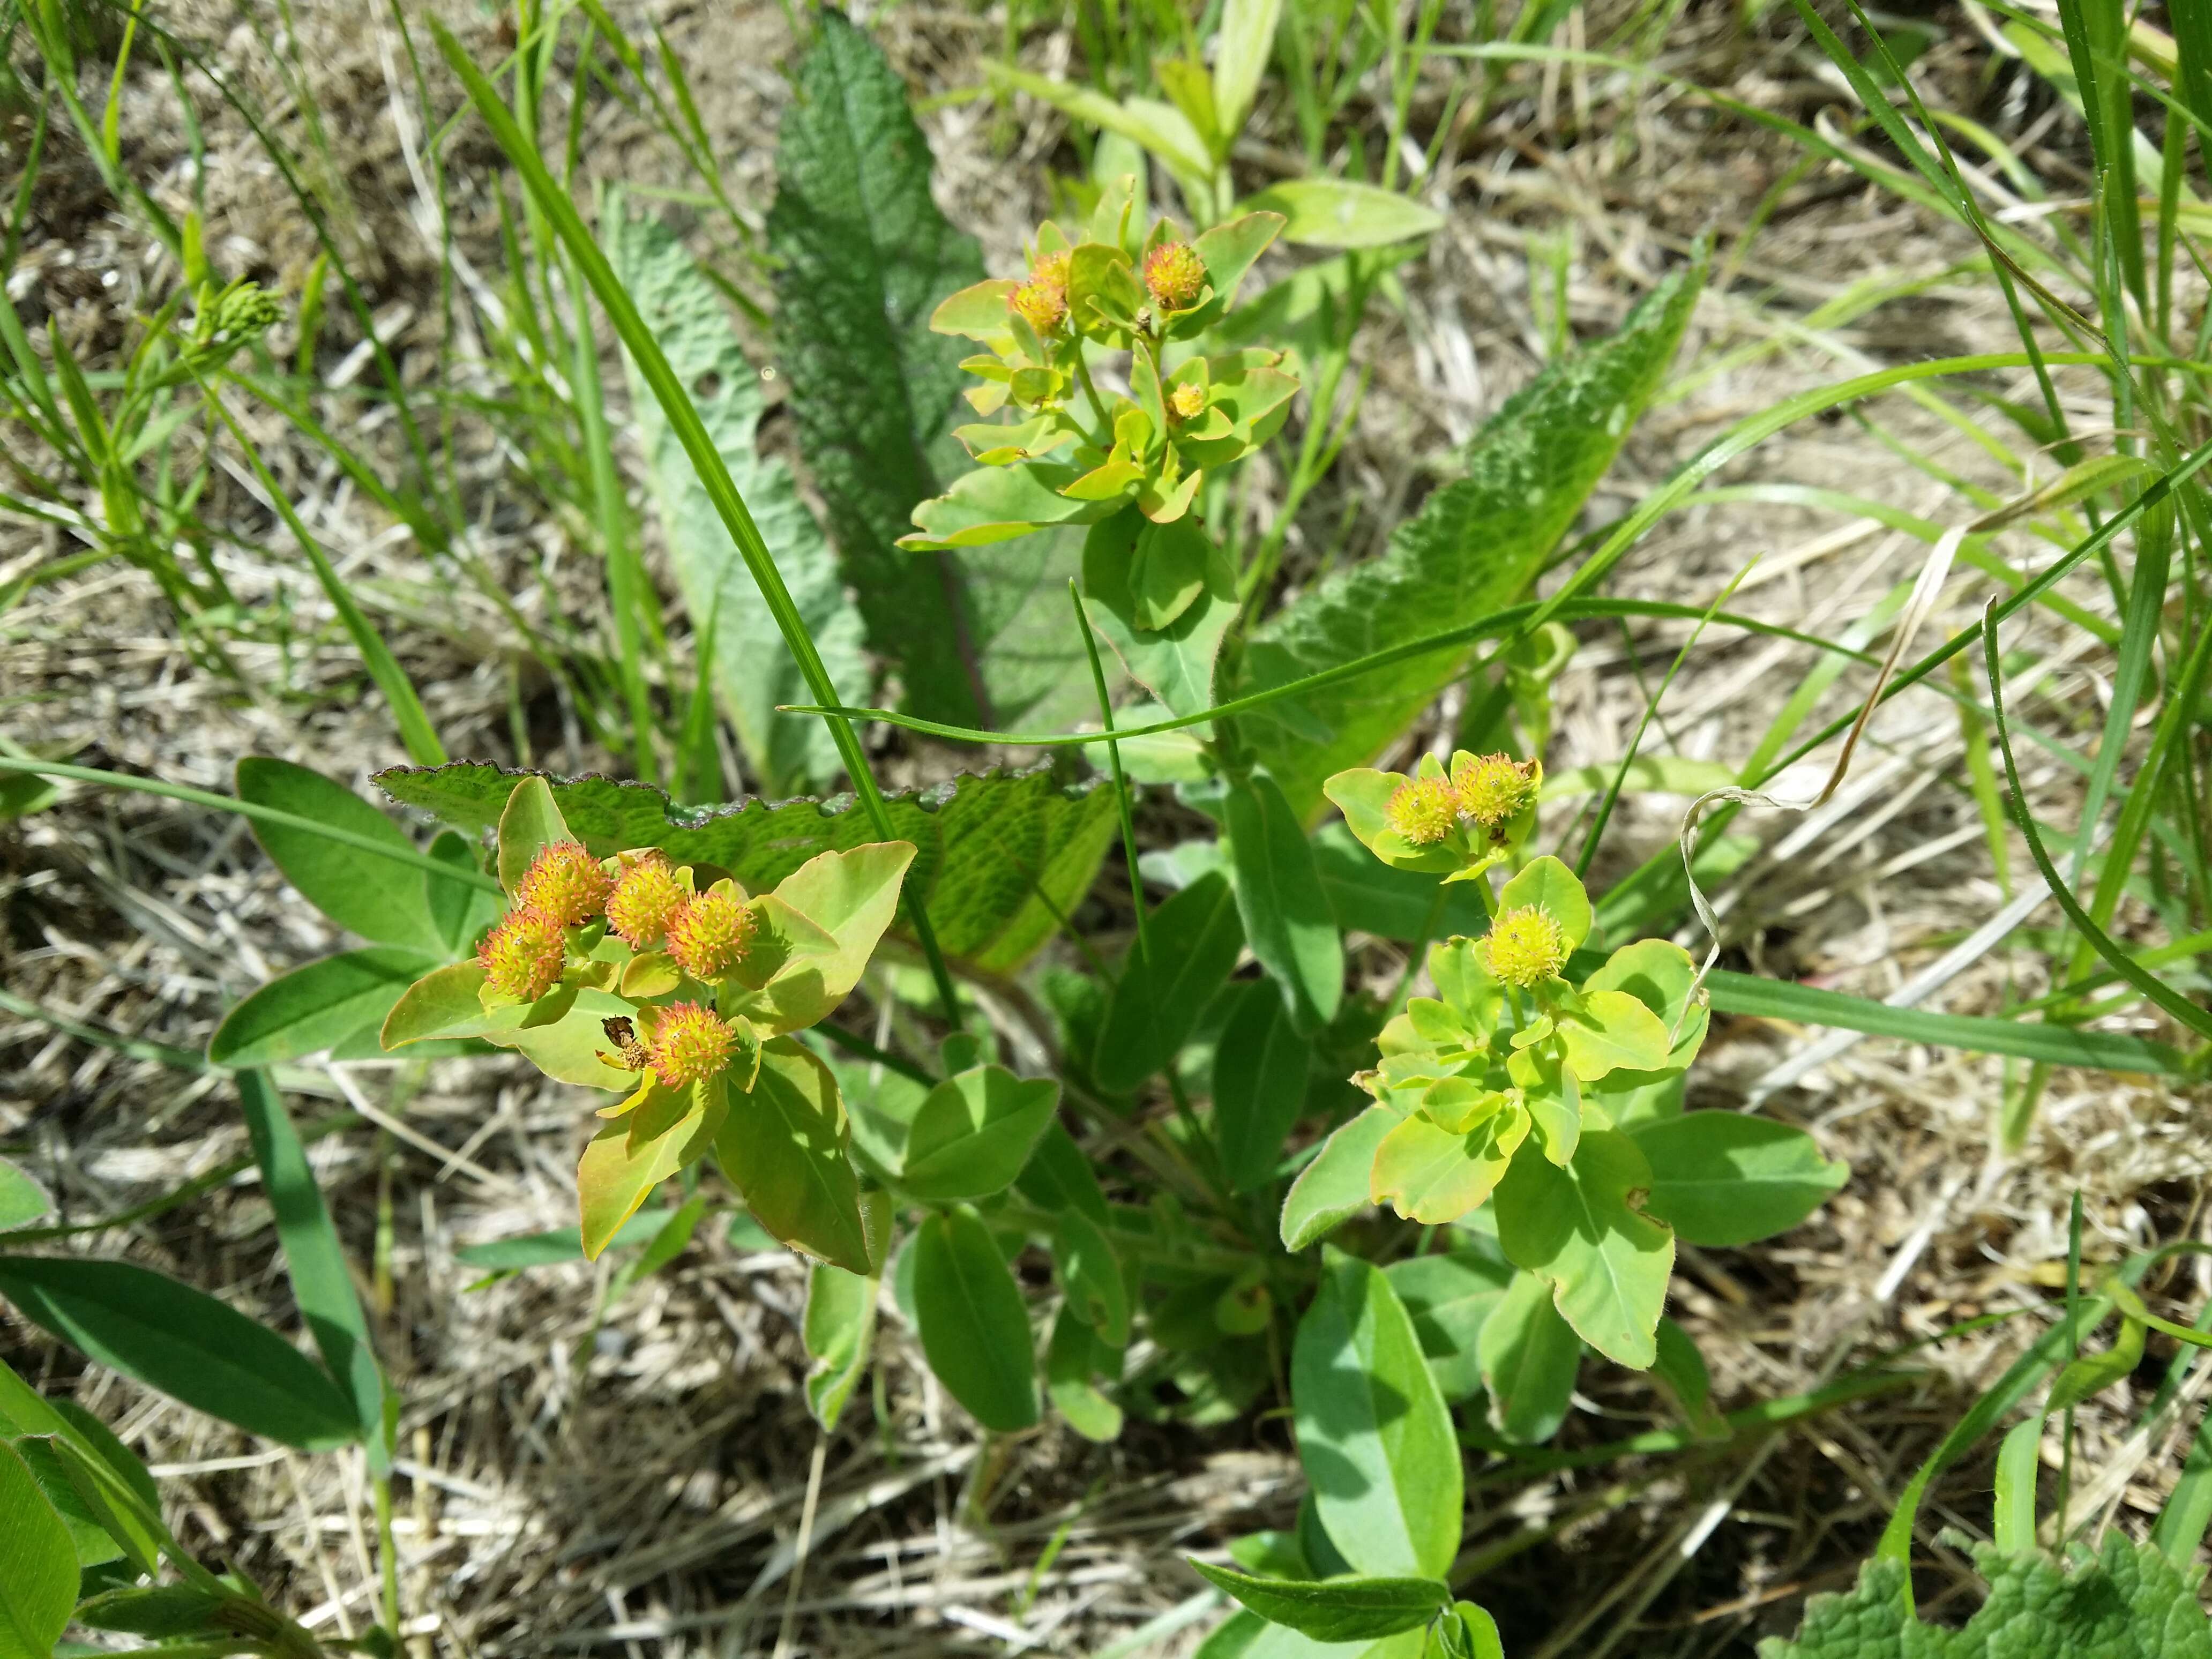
[(1527, 946), (690, 1045), (523, 956), (1042, 299), (1174, 276), (1424, 811), (710, 935), (564, 882), (1186, 402), (645, 900), (1493, 788)]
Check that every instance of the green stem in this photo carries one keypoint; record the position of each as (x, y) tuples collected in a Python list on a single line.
[(1121, 783)]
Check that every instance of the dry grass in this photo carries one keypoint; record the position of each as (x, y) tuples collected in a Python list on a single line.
[(638, 1480)]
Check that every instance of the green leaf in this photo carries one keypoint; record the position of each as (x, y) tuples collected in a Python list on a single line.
[(23, 1200), (1262, 1066), (184, 1344), (1092, 1274), (666, 1131), (1473, 547), (38, 1565), (2092, 1373), (753, 671), (1072, 1360), (1174, 663), (1659, 973), (1241, 51), (1335, 1187), (1190, 944), (1465, 1632), (840, 1328), (1529, 1356), (1551, 887), (975, 1330), (1613, 1032), (864, 257), (1449, 1298), (1682, 1369), (315, 1007), (95, 1482), (801, 966), (1373, 1434), (445, 1002), (1343, 213), (548, 1249), (1725, 1178), (1285, 908), (974, 1134), (1060, 1178), (999, 855), (1580, 1229), (2130, 1603), (1369, 896), (380, 900), (1160, 128), (783, 1148), (1432, 1175), (160, 1610), (529, 822), (313, 1258), (459, 910), (1333, 1609)]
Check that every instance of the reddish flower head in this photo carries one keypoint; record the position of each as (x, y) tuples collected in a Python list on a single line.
[(709, 936), (644, 901), (690, 1044), (564, 882), (523, 956)]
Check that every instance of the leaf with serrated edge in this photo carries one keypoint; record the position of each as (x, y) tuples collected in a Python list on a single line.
[(1473, 549), (998, 858)]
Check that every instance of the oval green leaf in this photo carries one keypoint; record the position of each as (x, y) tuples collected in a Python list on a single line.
[(1194, 940), (1334, 1187), (783, 1147), (38, 1565), (1353, 1610), (1286, 909), (1260, 1070), (380, 899), (315, 1007), (1727, 1178), (974, 1131), (975, 1330), (1374, 1436), (184, 1343)]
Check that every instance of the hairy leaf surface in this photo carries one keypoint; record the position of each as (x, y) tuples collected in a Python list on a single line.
[(1475, 546), (753, 670), (999, 853)]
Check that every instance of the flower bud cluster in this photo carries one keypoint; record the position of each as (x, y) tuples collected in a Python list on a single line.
[(646, 903)]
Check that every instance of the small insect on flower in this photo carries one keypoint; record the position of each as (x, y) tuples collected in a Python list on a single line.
[(710, 935), (690, 1045), (1042, 299), (629, 1055), (564, 882), (1423, 809), (1493, 788), (1186, 402), (524, 955), (644, 901), (1174, 276), (1526, 945)]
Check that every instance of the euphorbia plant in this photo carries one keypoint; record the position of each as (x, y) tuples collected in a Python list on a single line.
[(674, 987), (1069, 459), (1543, 1080)]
